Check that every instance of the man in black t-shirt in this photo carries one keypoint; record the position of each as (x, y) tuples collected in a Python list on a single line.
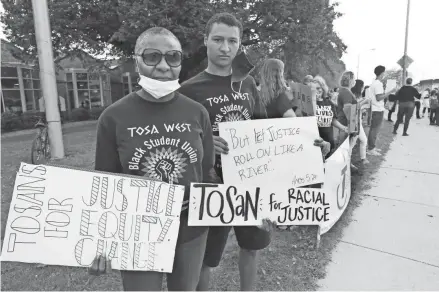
[(227, 97)]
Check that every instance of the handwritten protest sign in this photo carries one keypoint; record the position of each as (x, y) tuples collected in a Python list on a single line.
[(297, 206), (337, 184), (239, 205), (272, 150), (66, 217), (217, 205)]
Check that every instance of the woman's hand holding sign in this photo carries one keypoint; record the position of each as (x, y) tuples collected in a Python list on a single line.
[(325, 146), (221, 146), (100, 265)]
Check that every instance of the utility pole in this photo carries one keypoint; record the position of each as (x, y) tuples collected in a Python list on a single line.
[(404, 67), (48, 76)]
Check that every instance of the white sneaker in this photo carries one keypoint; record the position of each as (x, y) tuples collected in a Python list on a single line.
[(365, 161), (373, 152)]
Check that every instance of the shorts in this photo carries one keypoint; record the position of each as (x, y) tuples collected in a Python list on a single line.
[(248, 237), (185, 274), (426, 103)]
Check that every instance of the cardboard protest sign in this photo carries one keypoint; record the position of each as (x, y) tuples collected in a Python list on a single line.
[(337, 184), (351, 113), (297, 101), (220, 205), (272, 150), (66, 217), (306, 97)]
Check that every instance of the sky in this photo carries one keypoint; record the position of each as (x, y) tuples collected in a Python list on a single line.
[(375, 31), (380, 25)]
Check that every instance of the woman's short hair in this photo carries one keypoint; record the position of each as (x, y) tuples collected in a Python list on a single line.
[(346, 78)]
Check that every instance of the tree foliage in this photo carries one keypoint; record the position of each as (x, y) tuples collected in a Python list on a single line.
[(300, 32)]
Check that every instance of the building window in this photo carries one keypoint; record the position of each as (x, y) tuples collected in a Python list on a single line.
[(32, 91), (11, 89), (88, 88), (130, 82)]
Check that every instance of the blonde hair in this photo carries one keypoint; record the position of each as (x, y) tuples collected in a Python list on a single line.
[(346, 78), (321, 81), (272, 80)]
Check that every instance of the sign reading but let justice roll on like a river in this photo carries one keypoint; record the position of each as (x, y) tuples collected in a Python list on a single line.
[(67, 217), (262, 152)]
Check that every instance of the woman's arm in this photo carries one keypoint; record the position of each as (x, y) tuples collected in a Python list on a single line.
[(289, 114), (339, 126)]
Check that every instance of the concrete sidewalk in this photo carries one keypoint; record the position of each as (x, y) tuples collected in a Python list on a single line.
[(393, 241)]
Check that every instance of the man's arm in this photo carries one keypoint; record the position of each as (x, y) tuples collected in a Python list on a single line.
[(106, 155), (208, 146)]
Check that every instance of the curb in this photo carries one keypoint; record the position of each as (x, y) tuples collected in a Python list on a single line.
[(33, 131)]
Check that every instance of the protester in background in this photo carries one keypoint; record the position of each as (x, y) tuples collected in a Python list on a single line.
[(377, 96), (326, 113), (406, 97), (418, 103), (434, 104), (308, 79), (425, 99), (366, 110), (362, 102), (158, 56), (345, 99), (275, 95)]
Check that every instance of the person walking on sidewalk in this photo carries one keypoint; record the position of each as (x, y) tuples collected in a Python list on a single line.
[(377, 95), (425, 98), (434, 103), (418, 101), (406, 97)]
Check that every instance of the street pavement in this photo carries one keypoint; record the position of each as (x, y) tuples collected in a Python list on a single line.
[(392, 242)]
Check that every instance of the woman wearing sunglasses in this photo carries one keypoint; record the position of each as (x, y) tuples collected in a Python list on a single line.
[(163, 135)]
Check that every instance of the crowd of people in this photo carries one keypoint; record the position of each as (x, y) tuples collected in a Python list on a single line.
[(224, 91)]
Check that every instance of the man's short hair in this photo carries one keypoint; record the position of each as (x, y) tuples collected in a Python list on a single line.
[(225, 18), (157, 30), (379, 70), (409, 81)]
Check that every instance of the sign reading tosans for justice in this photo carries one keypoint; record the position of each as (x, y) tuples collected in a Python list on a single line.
[(67, 217)]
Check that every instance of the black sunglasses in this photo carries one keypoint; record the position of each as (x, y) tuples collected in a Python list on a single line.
[(152, 57)]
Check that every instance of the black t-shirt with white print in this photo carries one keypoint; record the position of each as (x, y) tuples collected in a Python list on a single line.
[(224, 103), (167, 141), (326, 112)]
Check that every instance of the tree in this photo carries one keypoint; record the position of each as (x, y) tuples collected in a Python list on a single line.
[(297, 27)]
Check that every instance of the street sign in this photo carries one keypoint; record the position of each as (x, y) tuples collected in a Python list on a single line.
[(405, 59)]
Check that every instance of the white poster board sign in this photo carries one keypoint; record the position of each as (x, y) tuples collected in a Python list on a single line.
[(337, 184), (222, 205), (66, 217), (272, 150), (390, 85), (218, 204)]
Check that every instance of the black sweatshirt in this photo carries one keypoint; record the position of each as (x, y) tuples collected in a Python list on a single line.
[(168, 141)]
